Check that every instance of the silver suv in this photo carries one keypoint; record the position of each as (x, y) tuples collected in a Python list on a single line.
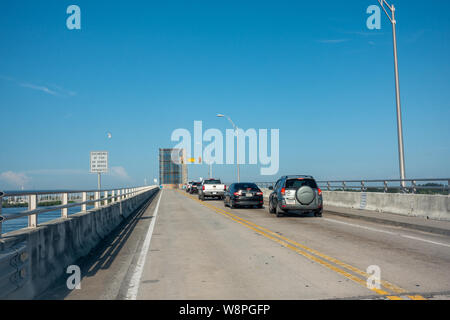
[(296, 192)]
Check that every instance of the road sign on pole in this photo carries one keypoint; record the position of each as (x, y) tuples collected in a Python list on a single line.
[(99, 164)]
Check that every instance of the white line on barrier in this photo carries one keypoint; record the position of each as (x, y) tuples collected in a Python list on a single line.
[(135, 280), (388, 232)]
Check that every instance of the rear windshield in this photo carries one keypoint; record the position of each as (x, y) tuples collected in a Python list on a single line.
[(211, 182), (246, 186), (195, 183), (297, 183)]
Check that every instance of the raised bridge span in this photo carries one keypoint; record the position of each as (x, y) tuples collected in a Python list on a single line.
[(152, 243)]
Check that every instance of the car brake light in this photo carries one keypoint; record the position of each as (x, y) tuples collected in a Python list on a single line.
[(259, 193), (283, 191), (236, 193), (320, 191), (203, 188), (224, 187)]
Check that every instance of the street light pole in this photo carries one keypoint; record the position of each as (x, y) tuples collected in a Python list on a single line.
[(237, 142), (401, 156)]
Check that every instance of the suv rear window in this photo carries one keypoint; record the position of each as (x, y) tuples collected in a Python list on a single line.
[(211, 182), (246, 186), (298, 182)]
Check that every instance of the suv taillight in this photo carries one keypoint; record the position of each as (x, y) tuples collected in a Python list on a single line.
[(320, 191), (224, 187), (203, 188), (283, 191)]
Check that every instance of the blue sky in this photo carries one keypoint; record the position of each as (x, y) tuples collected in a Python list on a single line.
[(141, 69)]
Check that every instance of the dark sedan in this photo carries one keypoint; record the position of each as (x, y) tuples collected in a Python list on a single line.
[(194, 187), (243, 195)]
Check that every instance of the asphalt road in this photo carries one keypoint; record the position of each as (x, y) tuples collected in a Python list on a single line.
[(183, 248)]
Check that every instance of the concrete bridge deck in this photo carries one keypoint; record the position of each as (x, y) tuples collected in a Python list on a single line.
[(178, 247)]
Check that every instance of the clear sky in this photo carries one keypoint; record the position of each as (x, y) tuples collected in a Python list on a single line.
[(141, 69)]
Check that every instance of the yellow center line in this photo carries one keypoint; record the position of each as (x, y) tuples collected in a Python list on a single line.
[(416, 298), (288, 243)]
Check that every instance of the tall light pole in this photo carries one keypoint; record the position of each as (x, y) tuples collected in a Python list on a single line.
[(237, 142), (401, 156)]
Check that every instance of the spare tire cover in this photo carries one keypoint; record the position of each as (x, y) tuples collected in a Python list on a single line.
[(305, 195)]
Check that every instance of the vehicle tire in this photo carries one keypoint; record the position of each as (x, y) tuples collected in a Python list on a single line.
[(259, 206), (232, 204), (271, 208), (318, 213), (278, 211), (202, 197)]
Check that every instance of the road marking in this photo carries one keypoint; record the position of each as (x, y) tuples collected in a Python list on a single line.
[(425, 240), (290, 244), (388, 232), (416, 298), (135, 280)]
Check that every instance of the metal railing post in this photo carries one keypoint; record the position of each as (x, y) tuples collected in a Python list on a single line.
[(413, 184), (385, 187), (65, 201), (105, 202), (113, 193), (343, 185), (84, 199), (96, 198), (328, 186), (32, 204)]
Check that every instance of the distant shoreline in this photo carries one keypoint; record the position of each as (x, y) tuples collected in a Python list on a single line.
[(25, 204)]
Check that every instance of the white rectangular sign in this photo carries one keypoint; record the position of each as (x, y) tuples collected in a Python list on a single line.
[(99, 161)]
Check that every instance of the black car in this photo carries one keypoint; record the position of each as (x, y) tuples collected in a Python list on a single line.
[(194, 187), (243, 194)]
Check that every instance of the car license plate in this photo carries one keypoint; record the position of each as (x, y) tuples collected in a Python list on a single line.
[(249, 194), (214, 192), (290, 201)]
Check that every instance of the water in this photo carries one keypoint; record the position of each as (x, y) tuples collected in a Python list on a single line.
[(20, 223)]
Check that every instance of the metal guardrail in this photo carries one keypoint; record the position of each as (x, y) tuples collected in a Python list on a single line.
[(95, 196), (381, 185)]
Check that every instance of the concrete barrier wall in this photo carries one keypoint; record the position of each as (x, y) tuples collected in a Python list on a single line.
[(418, 205), (55, 245)]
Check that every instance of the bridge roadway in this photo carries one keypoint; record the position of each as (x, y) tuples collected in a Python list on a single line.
[(202, 250)]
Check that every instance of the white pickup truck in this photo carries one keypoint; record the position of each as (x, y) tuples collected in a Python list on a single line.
[(212, 188)]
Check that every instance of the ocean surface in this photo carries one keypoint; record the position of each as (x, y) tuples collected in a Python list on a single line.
[(22, 222)]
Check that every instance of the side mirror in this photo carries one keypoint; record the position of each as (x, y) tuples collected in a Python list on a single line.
[(270, 188)]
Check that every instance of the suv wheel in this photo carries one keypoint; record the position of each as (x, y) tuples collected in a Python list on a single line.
[(318, 213), (271, 208), (278, 211)]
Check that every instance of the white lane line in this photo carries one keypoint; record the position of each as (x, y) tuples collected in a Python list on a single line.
[(135, 280), (425, 240), (388, 232)]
